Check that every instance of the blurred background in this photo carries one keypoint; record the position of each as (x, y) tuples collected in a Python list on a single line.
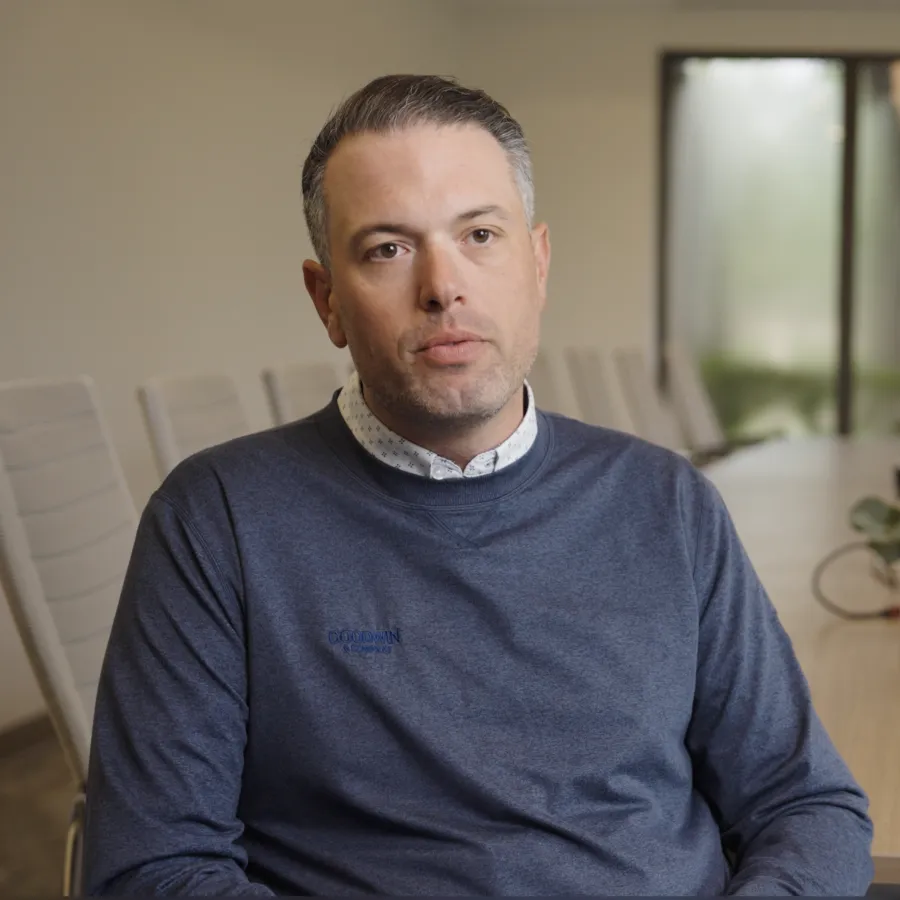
[(757, 160), (692, 159)]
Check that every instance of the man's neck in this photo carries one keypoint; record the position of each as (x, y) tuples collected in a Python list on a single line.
[(458, 445)]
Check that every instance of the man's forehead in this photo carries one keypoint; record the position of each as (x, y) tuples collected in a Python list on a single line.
[(417, 138), (445, 166)]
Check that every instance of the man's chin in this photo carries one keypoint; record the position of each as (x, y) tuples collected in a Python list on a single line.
[(457, 409), (464, 400)]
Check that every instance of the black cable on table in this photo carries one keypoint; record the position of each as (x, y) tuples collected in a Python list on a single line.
[(887, 612)]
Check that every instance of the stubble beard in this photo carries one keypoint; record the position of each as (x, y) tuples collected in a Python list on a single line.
[(433, 401)]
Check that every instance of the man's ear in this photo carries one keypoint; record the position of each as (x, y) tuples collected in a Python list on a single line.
[(318, 284), (540, 242)]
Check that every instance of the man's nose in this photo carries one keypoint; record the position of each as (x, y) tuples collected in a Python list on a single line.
[(440, 280)]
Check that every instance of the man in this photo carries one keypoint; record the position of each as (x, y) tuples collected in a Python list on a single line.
[(430, 640)]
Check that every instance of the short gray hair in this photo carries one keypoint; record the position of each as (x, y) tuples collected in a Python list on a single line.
[(394, 102)]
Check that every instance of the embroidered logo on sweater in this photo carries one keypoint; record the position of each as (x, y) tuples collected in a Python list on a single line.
[(362, 641)]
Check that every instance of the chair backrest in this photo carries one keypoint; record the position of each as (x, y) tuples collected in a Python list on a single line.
[(67, 525), (188, 413), (544, 381), (691, 401), (596, 390), (653, 419), (297, 390)]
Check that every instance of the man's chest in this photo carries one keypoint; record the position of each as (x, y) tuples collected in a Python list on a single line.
[(500, 663)]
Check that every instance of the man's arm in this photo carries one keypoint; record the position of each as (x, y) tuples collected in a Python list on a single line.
[(787, 805), (167, 752)]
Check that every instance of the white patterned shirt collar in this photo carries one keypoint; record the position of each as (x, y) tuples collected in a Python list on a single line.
[(396, 451)]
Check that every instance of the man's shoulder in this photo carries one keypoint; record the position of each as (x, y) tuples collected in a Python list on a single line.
[(264, 462), (613, 460), (599, 443)]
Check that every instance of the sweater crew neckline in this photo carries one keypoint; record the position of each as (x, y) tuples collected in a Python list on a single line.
[(418, 491)]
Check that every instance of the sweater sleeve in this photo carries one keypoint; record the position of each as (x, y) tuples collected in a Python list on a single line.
[(170, 725), (789, 810)]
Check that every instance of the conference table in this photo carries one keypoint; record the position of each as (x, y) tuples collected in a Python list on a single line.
[(790, 501)]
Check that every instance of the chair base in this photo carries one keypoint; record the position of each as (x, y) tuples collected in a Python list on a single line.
[(73, 866)]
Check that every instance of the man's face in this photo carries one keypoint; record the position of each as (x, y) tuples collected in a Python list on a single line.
[(436, 281)]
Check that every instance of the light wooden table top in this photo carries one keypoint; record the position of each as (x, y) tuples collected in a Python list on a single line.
[(790, 502)]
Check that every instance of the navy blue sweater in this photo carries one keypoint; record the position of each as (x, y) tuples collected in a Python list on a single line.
[(327, 676)]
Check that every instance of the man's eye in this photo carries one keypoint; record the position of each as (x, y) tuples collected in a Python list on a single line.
[(384, 251), (482, 236)]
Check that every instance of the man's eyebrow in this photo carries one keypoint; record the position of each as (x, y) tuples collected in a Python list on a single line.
[(478, 212)]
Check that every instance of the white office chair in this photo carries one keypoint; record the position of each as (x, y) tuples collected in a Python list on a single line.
[(299, 389), (597, 392), (188, 413), (67, 525), (691, 401), (652, 417)]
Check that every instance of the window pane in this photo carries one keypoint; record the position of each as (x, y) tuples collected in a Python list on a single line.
[(755, 178), (877, 273)]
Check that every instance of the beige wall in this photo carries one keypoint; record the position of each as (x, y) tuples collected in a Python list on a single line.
[(150, 218)]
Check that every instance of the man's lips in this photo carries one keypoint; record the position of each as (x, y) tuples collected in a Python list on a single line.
[(452, 348), (450, 338)]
